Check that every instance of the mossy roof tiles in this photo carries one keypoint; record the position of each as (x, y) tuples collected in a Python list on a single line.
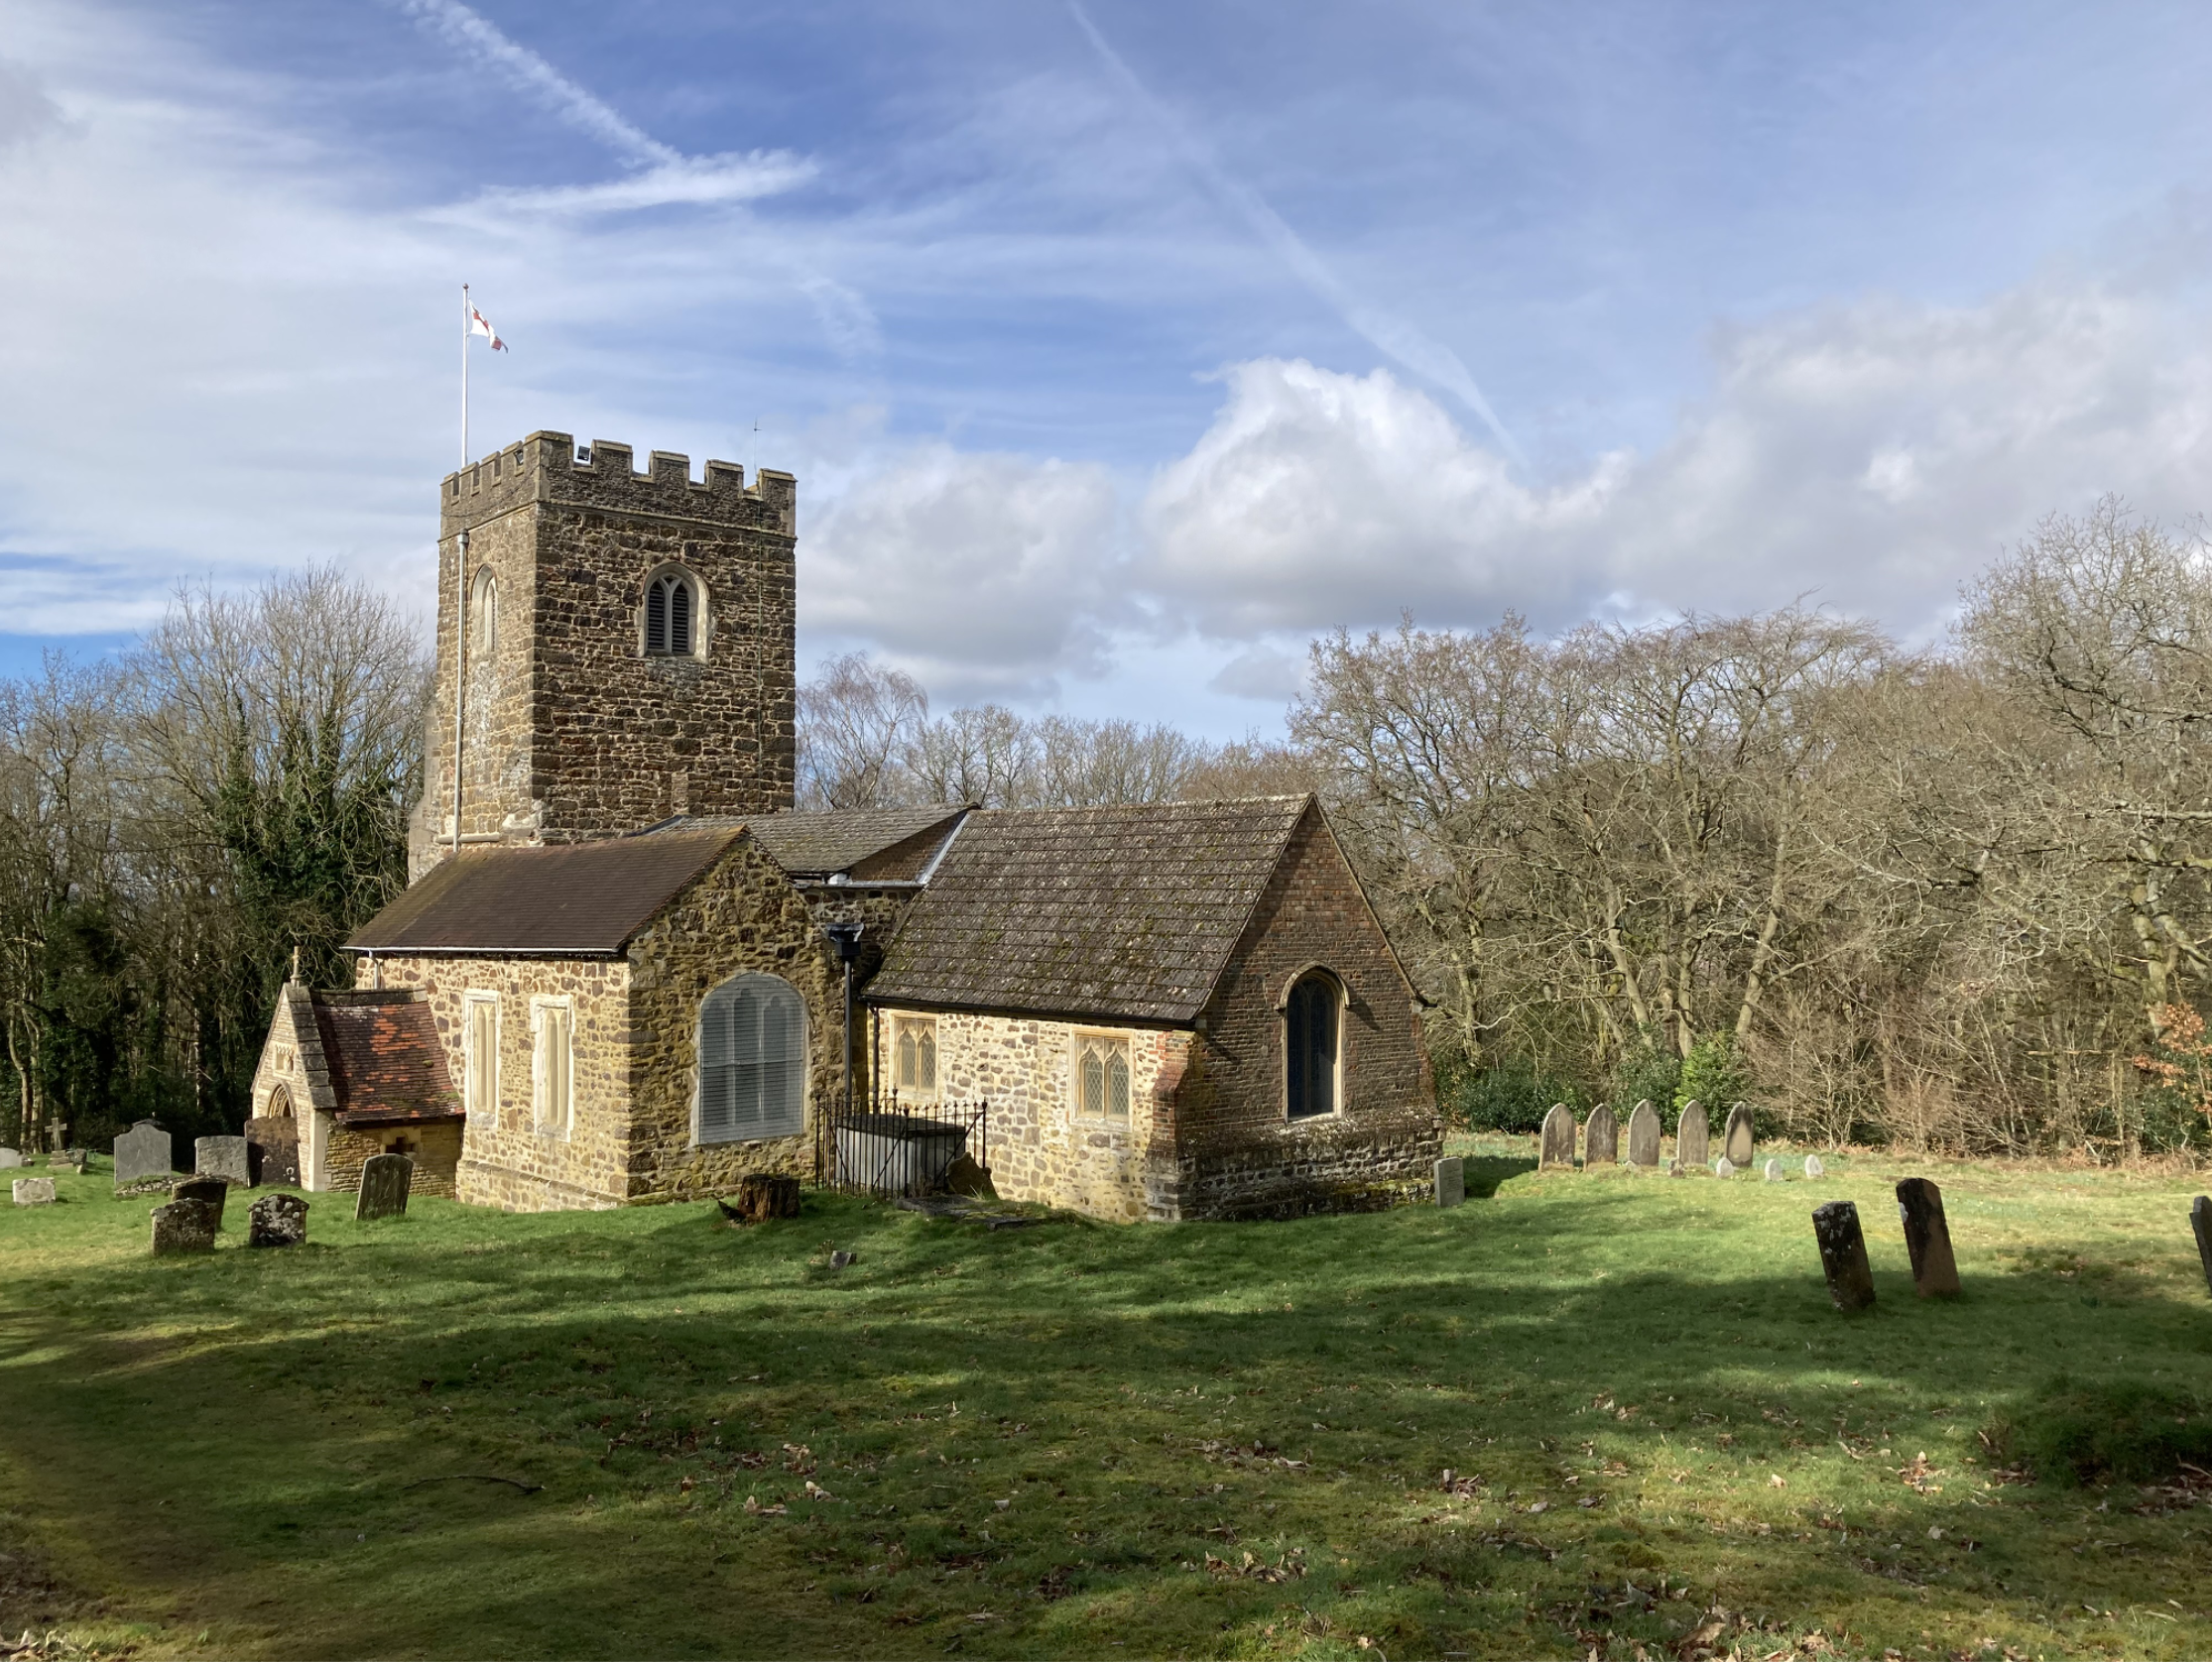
[(1124, 913), (385, 1063)]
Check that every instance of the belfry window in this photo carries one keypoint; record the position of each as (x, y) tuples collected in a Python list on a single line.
[(672, 605), (1309, 1049)]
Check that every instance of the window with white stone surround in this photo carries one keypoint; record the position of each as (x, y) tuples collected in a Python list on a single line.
[(552, 1032), (480, 1055), (1101, 1077), (913, 1058)]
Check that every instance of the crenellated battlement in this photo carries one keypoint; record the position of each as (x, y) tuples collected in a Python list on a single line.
[(550, 467)]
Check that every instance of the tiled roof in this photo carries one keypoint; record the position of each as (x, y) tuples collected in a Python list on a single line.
[(1104, 912), (577, 898), (882, 844), (385, 1064)]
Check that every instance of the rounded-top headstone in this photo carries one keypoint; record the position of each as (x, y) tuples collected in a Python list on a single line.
[(1558, 1146), (1737, 1146), (1601, 1138), (1692, 1136), (1772, 1169), (1643, 1136), (1724, 1167), (1813, 1166), (9, 1157)]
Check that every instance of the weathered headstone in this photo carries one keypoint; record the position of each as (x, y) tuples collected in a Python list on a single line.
[(1814, 1167), (1738, 1145), (1693, 1138), (34, 1191), (9, 1157), (273, 1151), (143, 1151), (384, 1180), (224, 1157), (277, 1221), (1843, 1255), (1451, 1181), (1772, 1169), (1928, 1237), (2200, 1219), (1558, 1147), (212, 1190), (1643, 1136), (1601, 1138), (185, 1225), (1724, 1167)]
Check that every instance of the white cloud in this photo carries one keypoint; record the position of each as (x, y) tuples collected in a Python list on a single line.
[(986, 576), (1873, 454)]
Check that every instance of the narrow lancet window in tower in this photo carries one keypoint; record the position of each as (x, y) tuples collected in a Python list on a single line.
[(670, 606)]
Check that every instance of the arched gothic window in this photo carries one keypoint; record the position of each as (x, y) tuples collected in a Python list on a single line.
[(1309, 1021), (752, 1061), (672, 606), (483, 613)]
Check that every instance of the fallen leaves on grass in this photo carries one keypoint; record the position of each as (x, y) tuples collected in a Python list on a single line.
[(754, 1507), (1289, 1568), (1247, 1454), (1917, 1472), (1465, 1485), (816, 1491)]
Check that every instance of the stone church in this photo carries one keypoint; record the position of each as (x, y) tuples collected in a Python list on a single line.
[(613, 977)]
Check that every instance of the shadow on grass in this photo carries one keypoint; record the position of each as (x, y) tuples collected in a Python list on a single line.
[(1484, 1172), (1055, 1427)]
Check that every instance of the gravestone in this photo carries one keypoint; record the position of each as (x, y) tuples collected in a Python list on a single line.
[(184, 1226), (384, 1180), (1724, 1167), (1843, 1255), (34, 1191), (1772, 1169), (1738, 1144), (2200, 1219), (224, 1157), (277, 1221), (1451, 1181), (9, 1157), (212, 1190), (142, 1153), (1814, 1167), (1643, 1136), (1693, 1146), (1558, 1147), (1928, 1237), (1601, 1138)]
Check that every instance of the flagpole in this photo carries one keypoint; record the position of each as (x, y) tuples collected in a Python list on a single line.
[(464, 374)]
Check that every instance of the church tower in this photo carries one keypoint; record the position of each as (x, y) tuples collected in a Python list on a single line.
[(613, 647)]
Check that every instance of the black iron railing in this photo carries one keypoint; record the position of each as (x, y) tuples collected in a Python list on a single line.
[(893, 1147)]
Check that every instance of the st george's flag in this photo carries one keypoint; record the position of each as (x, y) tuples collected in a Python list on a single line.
[(479, 324)]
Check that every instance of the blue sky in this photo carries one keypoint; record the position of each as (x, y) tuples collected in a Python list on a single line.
[(1118, 350)]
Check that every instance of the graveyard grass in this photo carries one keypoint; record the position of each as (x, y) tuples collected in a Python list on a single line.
[(1081, 1440)]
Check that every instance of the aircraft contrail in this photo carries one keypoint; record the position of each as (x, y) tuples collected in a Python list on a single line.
[(1394, 337)]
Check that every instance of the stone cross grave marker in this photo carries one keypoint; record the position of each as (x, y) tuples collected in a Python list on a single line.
[(1693, 1138), (2200, 1219), (1814, 1167), (1772, 1169), (184, 1226), (9, 1157), (1451, 1181), (1928, 1237), (1643, 1136), (224, 1157), (1739, 1135), (384, 1180), (1843, 1255), (1601, 1138), (277, 1221), (1559, 1138), (212, 1190), (34, 1191), (142, 1153)]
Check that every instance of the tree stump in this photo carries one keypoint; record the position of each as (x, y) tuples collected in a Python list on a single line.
[(761, 1198)]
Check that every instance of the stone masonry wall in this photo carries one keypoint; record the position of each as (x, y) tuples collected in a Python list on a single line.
[(434, 1149), (742, 916), (505, 1160), (1040, 1150), (1237, 1152), (571, 731)]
